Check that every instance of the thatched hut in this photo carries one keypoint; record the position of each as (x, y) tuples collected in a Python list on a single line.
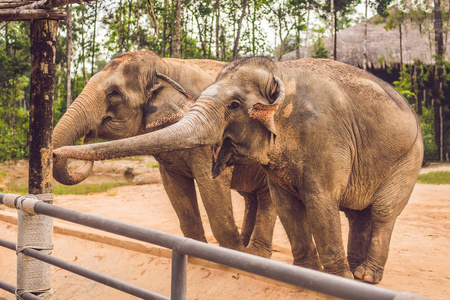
[(383, 46)]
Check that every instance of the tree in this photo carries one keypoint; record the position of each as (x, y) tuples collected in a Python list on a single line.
[(438, 94), (280, 18), (238, 34), (177, 32), (69, 55), (338, 10)]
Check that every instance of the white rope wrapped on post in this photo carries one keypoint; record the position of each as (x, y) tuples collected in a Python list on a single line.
[(35, 232)]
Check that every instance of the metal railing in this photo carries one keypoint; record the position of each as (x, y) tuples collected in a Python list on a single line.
[(181, 248)]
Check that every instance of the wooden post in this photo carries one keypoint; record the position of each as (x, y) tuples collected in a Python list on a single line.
[(43, 51), (36, 231)]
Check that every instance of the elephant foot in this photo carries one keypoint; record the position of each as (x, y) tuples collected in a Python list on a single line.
[(367, 274), (346, 274), (263, 252), (312, 263)]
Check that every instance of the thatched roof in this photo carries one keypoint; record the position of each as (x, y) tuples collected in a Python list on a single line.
[(383, 46)]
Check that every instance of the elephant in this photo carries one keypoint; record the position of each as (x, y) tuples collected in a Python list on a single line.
[(139, 92), (330, 137)]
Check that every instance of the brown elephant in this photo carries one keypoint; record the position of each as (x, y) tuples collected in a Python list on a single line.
[(330, 136), (140, 92)]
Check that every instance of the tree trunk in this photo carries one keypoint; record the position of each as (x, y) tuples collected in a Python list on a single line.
[(164, 33), (254, 28), (217, 16), (127, 44), (238, 34), (307, 33), (93, 38), (69, 55), (152, 14), (177, 34), (335, 37), (401, 47), (365, 35), (223, 40), (43, 51), (438, 36), (333, 29), (209, 28), (120, 28), (297, 37), (200, 35), (83, 43)]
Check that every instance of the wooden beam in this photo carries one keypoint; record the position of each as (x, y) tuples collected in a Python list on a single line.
[(14, 3), (31, 14), (48, 4)]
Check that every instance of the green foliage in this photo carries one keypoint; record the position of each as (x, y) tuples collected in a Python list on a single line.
[(13, 144), (435, 177), (319, 50), (427, 124), (404, 86), (381, 6)]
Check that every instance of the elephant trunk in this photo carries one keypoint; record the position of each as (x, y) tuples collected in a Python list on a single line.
[(197, 128), (77, 122)]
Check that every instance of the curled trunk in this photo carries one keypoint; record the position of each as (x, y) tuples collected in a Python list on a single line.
[(76, 123)]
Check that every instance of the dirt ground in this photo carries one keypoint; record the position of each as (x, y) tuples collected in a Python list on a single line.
[(418, 260)]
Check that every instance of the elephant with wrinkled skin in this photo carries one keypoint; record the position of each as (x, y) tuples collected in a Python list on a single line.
[(140, 92), (330, 136)]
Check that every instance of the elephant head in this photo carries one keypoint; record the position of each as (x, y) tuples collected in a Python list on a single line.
[(235, 115), (130, 96)]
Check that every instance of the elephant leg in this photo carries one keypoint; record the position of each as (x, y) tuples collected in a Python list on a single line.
[(326, 228), (216, 198), (261, 239), (292, 214), (371, 270), (182, 195), (388, 202), (248, 224), (360, 232)]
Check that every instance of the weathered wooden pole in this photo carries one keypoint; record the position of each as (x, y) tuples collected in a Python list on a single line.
[(35, 231)]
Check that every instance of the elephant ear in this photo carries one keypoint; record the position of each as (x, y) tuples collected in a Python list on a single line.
[(169, 112), (265, 113), (176, 86)]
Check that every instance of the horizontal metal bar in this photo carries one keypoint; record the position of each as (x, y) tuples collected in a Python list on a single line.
[(8, 244), (302, 277), (95, 276), (7, 287), (310, 279), (12, 289)]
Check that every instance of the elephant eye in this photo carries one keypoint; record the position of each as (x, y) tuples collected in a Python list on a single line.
[(234, 105), (115, 97), (114, 93)]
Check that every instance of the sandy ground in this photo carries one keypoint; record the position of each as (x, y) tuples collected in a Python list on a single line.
[(418, 260)]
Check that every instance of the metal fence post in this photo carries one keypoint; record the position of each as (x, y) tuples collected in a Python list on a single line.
[(179, 276)]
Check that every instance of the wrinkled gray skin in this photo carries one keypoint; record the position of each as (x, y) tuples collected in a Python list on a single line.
[(329, 136), (131, 96)]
